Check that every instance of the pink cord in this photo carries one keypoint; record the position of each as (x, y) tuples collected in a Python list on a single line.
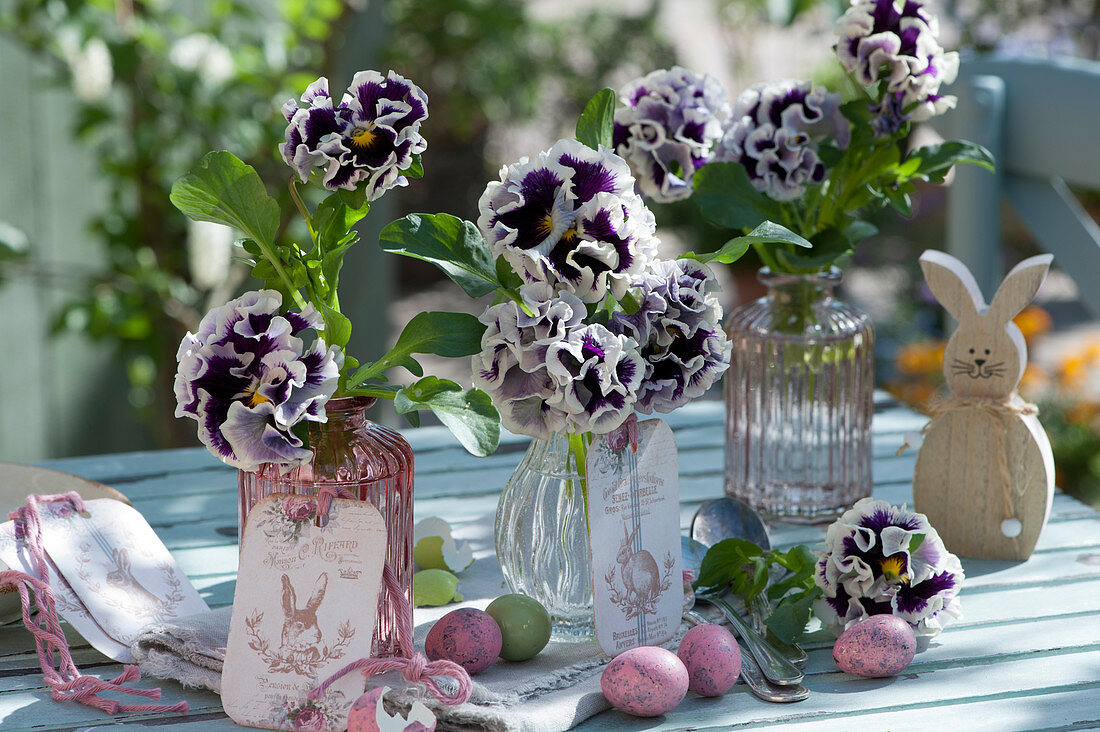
[(65, 679), (415, 668)]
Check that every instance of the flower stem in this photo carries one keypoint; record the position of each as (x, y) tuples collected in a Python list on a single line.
[(302, 208), (578, 448)]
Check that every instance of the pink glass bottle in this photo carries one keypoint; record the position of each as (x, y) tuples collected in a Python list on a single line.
[(373, 462)]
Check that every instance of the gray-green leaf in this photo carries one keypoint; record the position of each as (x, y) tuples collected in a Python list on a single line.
[(468, 413), (225, 190), (448, 242)]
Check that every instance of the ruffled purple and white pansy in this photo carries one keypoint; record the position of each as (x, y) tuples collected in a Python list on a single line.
[(247, 378), (570, 218), (596, 375), (881, 559), (774, 130), (511, 367), (668, 129), (679, 328), (367, 140), (549, 372), (896, 41)]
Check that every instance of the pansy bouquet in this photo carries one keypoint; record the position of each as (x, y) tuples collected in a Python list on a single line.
[(590, 325), (880, 559), (263, 366), (796, 153)]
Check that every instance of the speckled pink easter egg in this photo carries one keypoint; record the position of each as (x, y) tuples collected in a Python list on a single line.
[(712, 657), (467, 636), (368, 715), (881, 645), (646, 681)]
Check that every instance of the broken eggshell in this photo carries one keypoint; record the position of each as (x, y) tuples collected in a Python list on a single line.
[(369, 715), (435, 548)]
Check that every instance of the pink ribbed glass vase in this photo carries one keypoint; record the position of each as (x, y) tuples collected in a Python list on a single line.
[(373, 462)]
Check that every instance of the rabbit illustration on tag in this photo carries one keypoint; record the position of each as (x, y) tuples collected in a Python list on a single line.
[(984, 475)]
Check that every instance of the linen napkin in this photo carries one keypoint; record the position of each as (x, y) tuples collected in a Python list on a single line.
[(190, 649)]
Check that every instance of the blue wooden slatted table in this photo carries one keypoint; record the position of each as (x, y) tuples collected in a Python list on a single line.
[(1025, 656)]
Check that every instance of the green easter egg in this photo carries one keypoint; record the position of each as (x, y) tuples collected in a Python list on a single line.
[(524, 626)]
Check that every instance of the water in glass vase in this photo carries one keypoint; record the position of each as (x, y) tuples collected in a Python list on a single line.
[(542, 540), (799, 400)]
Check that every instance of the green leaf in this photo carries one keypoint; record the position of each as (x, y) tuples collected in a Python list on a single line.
[(334, 218), (915, 541), (415, 169), (727, 198), (448, 242), (829, 245), (596, 123), (444, 334), (337, 326), (225, 190), (468, 413), (724, 561), (353, 199), (936, 160), (766, 233), (859, 230), (788, 620)]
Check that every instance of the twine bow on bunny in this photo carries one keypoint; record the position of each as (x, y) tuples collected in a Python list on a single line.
[(415, 667), (984, 473), (58, 669)]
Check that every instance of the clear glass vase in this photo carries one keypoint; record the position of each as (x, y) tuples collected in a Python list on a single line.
[(542, 539), (799, 400), (371, 461)]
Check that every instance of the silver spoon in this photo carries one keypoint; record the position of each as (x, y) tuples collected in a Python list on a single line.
[(772, 664), (759, 686), (722, 518)]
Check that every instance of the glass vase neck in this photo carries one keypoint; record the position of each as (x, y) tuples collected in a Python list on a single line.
[(789, 287), (343, 413)]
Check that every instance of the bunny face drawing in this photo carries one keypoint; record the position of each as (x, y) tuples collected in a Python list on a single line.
[(986, 355), (301, 635)]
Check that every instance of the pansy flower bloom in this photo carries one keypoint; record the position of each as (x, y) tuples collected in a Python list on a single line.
[(247, 378), (679, 328), (881, 559), (570, 218), (668, 128), (367, 140), (896, 42), (774, 130)]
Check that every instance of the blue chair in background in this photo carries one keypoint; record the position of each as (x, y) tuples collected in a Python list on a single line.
[(1041, 120)]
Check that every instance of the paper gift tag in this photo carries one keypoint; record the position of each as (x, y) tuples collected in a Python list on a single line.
[(634, 531), (118, 567), (304, 608), (15, 554)]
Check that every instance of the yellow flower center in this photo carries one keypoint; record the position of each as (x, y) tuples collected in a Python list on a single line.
[(255, 398), (569, 236), (545, 226), (363, 137), (893, 568)]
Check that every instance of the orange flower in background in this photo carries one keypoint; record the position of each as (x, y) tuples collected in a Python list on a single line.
[(925, 357), (1032, 322), (1073, 370)]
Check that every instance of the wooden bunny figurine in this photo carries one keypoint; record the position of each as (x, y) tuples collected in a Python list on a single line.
[(985, 472)]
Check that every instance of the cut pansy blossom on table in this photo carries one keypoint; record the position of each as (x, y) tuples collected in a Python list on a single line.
[(252, 377), (881, 559)]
